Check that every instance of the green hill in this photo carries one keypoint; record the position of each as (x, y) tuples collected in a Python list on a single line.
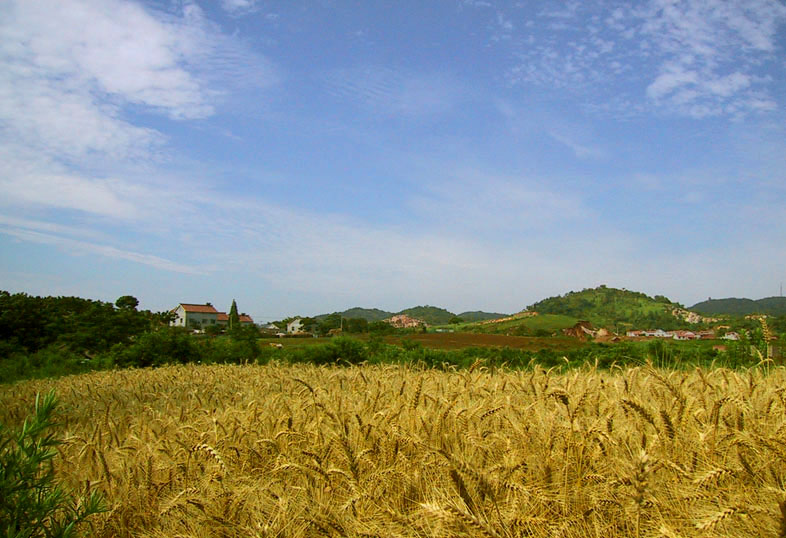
[(479, 315), (430, 314), (775, 306), (612, 307)]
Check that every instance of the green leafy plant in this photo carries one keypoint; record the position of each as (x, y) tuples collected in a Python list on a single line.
[(32, 503)]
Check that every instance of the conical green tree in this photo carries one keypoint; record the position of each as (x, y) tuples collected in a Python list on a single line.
[(234, 319)]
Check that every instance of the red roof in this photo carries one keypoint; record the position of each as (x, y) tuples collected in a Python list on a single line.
[(199, 308), (223, 316)]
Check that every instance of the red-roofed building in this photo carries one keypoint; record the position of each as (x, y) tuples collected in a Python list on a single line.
[(195, 316), (245, 319), (201, 316)]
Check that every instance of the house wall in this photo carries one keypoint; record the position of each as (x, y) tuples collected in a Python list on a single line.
[(180, 320), (204, 319), (187, 319)]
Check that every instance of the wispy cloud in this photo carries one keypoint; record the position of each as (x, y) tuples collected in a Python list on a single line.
[(74, 246), (581, 150), (395, 92), (473, 199), (694, 58), (711, 54)]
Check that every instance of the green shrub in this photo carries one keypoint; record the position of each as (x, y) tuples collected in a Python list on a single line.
[(231, 350), (164, 346), (341, 349), (32, 504)]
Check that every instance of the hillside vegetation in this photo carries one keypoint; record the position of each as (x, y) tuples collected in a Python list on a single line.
[(430, 314), (218, 451), (774, 306), (610, 307), (540, 325)]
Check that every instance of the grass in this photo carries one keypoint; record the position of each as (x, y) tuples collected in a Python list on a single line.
[(300, 450)]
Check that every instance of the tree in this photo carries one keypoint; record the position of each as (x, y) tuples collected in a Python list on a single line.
[(234, 318), (330, 322), (127, 302), (32, 502), (356, 325)]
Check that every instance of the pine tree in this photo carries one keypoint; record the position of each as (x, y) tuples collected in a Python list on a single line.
[(234, 319)]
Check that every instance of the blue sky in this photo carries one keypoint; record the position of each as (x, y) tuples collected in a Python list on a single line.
[(308, 157)]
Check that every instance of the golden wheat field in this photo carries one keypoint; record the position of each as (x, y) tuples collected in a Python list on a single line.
[(278, 450)]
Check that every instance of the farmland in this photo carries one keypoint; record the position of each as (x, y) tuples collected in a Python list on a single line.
[(446, 341), (464, 340), (389, 450)]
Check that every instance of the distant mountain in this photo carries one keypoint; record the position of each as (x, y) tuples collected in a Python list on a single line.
[(430, 314), (369, 314), (480, 315), (775, 306)]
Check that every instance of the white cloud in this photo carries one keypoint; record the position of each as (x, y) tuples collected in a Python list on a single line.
[(102, 197), (72, 75), (112, 48), (673, 77), (69, 69), (239, 6)]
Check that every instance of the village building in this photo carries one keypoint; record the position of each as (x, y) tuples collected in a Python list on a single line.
[(684, 335), (202, 316), (403, 321), (245, 319), (194, 316), (295, 326)]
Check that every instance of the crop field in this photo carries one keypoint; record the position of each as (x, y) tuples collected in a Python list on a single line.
[(447, 341), (279, 450), (460, 340)]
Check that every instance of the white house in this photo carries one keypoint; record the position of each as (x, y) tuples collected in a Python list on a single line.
[(731, 336), (684, 335), (295, 326), (194, 316), (657, 333)]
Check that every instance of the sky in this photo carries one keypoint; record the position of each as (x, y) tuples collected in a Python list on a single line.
[(309, 157)]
